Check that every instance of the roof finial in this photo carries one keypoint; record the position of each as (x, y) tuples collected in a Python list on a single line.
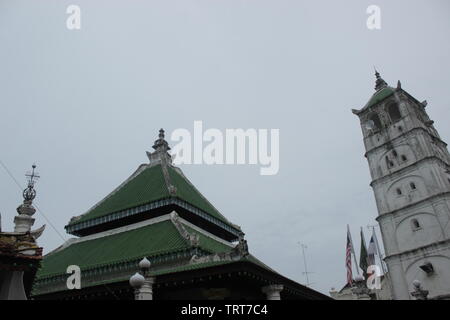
[(379, 83), (24, 221), (161, 149), (30, 193), (161, 133), (161, 144)]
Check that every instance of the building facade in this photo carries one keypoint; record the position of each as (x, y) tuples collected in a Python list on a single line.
[(410, 168)]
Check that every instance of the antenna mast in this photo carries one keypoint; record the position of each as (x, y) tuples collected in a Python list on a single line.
[(306, 273)]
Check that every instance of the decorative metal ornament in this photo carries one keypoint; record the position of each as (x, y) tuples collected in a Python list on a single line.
[(30, 193)]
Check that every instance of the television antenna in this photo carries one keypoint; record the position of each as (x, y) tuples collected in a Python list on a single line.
[(306, 272)]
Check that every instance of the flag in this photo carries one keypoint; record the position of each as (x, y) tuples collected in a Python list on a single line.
[(372, 251), (348, 258), (363, 259)]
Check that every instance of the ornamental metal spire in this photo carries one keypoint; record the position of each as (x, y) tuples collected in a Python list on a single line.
[(30, 193), (24, 221), (379, 83)]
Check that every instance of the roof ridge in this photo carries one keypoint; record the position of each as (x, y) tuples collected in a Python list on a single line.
[(192, 239), (170, 187), (205, 233)]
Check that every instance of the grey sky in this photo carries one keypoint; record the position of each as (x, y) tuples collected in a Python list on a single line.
[(85, 106)]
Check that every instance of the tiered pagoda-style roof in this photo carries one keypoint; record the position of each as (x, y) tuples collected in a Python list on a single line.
[(149, 189), (156, 213)]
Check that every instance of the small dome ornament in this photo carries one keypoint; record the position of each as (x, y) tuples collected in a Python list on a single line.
[(144, 264), (142, 282), (137, 280)]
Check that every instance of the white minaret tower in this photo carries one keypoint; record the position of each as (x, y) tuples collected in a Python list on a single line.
[(410, 169)]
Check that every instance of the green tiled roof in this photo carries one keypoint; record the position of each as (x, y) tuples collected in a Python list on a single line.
[(148, 241), (151, 240), (149, 186), (380, 95), (187, 192), (146, 187)]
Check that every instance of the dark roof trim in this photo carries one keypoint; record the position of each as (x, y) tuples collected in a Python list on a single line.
[(75, 227)]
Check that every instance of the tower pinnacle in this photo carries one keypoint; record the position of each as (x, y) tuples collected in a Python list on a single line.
[(161, 144), (161, 149), (379, 83)]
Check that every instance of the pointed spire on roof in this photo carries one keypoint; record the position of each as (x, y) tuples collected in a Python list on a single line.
[(161, 144), (380, 83), (161, 149)]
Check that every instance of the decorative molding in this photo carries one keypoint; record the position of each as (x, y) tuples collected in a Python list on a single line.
[(237, 253), (193, 239)]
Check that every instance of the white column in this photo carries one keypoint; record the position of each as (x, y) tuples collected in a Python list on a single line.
[(145, 292), (273, 291), (23, 221)]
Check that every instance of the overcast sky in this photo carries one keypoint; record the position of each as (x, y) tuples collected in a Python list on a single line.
[(86, 104)]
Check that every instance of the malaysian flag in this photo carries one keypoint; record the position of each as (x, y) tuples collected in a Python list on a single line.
[(348, 258)]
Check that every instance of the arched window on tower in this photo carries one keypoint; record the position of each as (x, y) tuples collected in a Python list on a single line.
[(389, 163), (375, 121), (394, 111), (415, 225)]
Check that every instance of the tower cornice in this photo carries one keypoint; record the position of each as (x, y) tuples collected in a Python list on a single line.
[(412, 254), (399, 172), (405, 133), (411, 205)]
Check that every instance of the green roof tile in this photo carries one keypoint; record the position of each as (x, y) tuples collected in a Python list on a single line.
[(149, 186), (187, 192), (148, 241), (151, 240), (380, 95), (145, 187)]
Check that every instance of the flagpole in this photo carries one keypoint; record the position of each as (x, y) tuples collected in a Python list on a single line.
[(353, 249), (363, 238), (363, 243), (377, 245), (385, 272)]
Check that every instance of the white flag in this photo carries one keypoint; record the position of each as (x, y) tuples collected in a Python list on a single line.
[(371, 251)]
